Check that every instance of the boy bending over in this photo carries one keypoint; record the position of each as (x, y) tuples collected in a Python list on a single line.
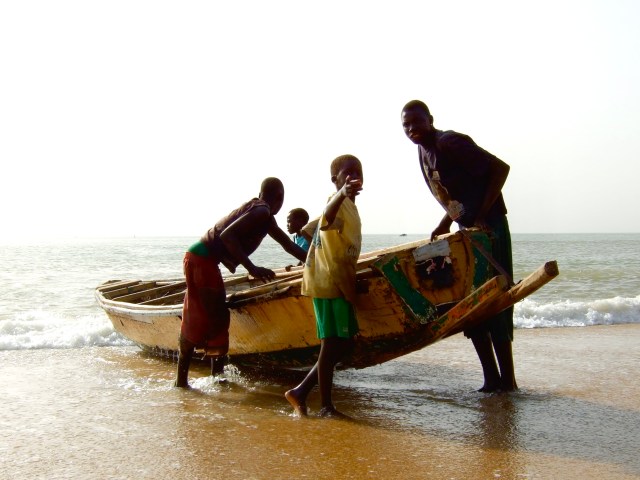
[(205, 316)]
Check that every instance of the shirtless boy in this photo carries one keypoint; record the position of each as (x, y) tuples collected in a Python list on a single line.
[(205, 316)]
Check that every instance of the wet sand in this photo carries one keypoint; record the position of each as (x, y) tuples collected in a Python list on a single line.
[(111, 413)]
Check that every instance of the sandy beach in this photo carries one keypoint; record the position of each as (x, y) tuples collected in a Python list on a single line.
[(111, 413)]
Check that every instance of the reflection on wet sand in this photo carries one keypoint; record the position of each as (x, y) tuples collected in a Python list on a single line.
[(112, 413)]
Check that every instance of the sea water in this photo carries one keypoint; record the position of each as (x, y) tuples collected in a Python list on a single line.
[(79, 401), (47, 300)]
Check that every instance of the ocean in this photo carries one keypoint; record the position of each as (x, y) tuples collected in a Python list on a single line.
[(79, 401), (47, 296)]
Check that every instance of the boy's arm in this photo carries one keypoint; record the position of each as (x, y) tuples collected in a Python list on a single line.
[(243, 226), (443, 227), (477, 162), (289, 245), (350, 189)]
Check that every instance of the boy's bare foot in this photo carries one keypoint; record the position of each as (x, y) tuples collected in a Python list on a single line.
[(502, 386), (485, 389), (489, 387), (331, 412), (299, 407)]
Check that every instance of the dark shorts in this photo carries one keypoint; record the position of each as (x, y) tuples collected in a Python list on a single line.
[(501, 326), (205, 316), (335, 317)]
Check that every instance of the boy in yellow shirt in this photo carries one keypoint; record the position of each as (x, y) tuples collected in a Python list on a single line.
[(329, 277)]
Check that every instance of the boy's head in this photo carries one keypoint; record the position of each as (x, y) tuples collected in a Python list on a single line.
[(346, 166), (417, 123), (297, 218), (272, 192)]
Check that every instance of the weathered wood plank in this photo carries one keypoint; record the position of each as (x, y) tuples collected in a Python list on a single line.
[(173, 299), (543, 275), (153, 293), (458, 317), (113, 295)]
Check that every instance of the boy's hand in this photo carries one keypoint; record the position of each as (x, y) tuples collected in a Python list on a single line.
[(351, 188), (262, 273), (440, 230), (482, 224)]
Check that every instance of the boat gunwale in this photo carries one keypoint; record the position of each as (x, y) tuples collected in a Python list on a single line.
[(235, 298)]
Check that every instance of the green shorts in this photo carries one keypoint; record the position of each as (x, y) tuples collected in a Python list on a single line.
[(501, 326), (335, 317)]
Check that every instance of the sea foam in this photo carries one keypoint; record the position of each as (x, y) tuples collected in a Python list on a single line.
[(40, 329), (610, 311)]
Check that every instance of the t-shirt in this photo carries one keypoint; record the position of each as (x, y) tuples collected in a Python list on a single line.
[(330, 269), (311, 227), (301, 241), (457, 173)]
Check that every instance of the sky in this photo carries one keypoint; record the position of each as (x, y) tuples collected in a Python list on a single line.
[(148, 118)]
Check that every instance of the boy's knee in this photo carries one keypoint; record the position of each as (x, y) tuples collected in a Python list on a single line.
[(186, 347)]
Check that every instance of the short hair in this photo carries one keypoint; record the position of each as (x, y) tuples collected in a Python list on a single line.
[(300, 213), (338, 162), (270, 186), (416, 104)]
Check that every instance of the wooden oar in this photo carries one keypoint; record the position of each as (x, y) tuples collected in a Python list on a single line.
[(543, 275)]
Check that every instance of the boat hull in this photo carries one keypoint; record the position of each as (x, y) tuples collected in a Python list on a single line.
[(409, 297)]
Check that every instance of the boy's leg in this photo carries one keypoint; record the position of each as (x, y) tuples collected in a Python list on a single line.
[(331, 351), (505, 360), (501, 330), (297, 396), (484, 349), (184, 361), (217, 364), (501, 327), (218, 319)]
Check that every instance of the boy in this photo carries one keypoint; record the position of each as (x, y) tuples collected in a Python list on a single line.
[(205, 317), (467, 181), (298, 218), (329, 277)]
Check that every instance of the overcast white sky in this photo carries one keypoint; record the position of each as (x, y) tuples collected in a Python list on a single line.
[(157, 118)]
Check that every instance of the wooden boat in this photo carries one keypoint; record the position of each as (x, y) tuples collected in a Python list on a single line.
[(409, 296)]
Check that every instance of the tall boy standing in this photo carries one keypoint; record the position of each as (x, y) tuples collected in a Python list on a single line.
[(467, 181), (205, 316), (329, 277)]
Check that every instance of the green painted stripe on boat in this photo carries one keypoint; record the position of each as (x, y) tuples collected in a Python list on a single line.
[(419, 307), (483, 269)]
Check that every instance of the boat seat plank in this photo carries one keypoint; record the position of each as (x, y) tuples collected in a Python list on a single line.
[(152, 292), (113, 285), (121, 292), (173, 299)]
